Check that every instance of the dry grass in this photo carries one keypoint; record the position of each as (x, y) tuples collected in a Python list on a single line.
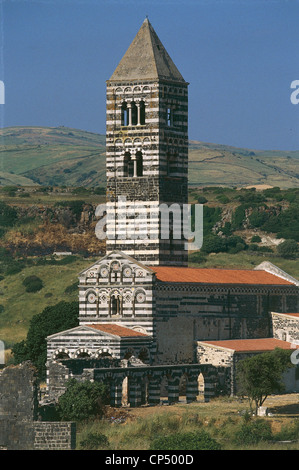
[(134, 429)]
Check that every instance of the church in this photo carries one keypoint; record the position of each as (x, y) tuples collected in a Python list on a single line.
[(145, 316)]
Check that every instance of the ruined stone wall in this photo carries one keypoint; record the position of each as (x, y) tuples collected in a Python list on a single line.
[(54, 435), (147, 384), (19, 425)]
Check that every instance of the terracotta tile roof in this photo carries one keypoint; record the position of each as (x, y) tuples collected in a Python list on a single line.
[(217, 276), (117, 330), (252, 345), (290, 314)]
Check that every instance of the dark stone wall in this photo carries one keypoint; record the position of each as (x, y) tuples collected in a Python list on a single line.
[(186, 313), (19, 425)]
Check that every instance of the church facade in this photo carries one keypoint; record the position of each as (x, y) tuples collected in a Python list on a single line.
[(141, 306)]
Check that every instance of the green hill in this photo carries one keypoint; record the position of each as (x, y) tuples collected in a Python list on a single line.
[(60, 156), (212, 164), (52, 156)]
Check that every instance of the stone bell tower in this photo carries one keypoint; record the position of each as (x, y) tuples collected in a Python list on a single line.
[(147, 153)]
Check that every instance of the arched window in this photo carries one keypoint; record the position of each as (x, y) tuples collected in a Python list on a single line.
[(124, 114), (134, 117), (169, 117), (139, 164), (115, 304), (128, 165), (142, 113)]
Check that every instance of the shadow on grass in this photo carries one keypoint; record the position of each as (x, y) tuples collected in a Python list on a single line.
[(291, 410)]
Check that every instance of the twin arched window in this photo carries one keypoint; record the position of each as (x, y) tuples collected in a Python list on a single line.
[(133, 114), (133, 166)]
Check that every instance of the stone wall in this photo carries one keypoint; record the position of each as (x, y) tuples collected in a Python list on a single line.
[(54, 435), (285, 327), (186, 313), (19, 425), (147, 384)]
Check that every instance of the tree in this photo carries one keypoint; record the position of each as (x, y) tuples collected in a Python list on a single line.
[(8, 215), (213, 244), (53, 319), (261, 375), (288, 249), (83, 400), (33, 283)]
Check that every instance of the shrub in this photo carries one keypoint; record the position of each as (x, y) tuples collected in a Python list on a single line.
[(253, 247), (213, 244), (285, 224), (14, 267), (8, 215), (288, 249), (288, 432), (252, 432), (75, 206), (239, 216), (94, 441), (201, 199), (33, 284), (235, 244), (272, 192), (71, 288), (265, 249), (223, 199), (211, 215), (258, 218), (256, 239), (83, 400), (185, 441)]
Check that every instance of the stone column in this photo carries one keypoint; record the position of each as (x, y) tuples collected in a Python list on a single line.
[(154, 389), (129, 106), (116, 393), (209, 390), (191, 389), (134, 398), (138, 113), (173, 390), (135, 166)]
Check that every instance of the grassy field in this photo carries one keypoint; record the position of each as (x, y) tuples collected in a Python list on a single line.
[(52, 156), (221, 418), (211, 164)]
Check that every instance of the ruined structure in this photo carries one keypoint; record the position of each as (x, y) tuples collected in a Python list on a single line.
[(21, 426), (161, 323)]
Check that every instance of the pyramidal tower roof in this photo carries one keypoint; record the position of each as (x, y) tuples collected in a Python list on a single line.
[(146, 59)]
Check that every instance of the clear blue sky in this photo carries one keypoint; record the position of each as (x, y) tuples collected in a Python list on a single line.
[(240, 58)]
